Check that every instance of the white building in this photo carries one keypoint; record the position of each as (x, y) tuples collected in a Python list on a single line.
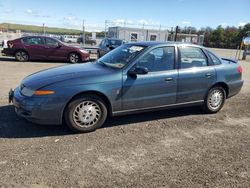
[(137, 34)]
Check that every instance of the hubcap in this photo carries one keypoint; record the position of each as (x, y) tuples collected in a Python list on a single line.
[(21, 56), (87, 114), (215, 99), (74, 58)]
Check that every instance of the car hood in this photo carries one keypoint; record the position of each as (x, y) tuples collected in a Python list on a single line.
[(58, 74)]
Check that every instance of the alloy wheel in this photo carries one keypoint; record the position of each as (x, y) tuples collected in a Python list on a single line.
[(87, 114)]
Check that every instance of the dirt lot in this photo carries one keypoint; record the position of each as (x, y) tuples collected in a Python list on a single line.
[(171, 148)]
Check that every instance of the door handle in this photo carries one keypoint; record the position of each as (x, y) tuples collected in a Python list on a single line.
[(208, 75), (169, 79)]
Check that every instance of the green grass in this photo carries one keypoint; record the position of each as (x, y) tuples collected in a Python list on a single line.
[(38, 29)]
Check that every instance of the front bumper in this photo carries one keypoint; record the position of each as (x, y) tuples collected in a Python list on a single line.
[(85, 57), (40, 110)]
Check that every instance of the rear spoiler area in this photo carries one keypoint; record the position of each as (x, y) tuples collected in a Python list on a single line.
[(229, 60)]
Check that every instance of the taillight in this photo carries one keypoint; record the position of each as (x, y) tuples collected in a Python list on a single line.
[(239, 69)]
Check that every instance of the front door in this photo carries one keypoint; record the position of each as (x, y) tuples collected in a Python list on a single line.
[(156, 88), (195, 74), (54, 50)]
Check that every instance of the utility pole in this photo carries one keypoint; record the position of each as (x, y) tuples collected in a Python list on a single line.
[(83, 32), (176, 32), (44, 29), (105, 29)]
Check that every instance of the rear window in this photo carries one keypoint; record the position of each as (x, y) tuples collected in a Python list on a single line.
[(215, 59)]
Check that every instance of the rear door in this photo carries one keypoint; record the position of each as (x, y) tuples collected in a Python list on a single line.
[(35, 47), (156, 88), (195, 74), (53, 50)]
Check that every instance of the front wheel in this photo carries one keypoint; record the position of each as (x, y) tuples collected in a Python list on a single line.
[(215, 99), (21, 56), (86, 113), (74, 58)]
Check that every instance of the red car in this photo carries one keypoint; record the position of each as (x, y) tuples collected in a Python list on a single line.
[(44, 48)]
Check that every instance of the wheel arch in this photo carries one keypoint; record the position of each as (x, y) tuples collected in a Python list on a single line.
[(223, 85), (97, 93), (21, 49), (74, 52)]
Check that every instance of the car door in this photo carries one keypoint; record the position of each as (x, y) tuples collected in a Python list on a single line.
[(54, 50), (195, 74), (156, 88), (35, 47)]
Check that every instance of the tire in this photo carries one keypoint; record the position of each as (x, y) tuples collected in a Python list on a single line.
[(21, 56), (85, 114), (74, 58), (214, 100)]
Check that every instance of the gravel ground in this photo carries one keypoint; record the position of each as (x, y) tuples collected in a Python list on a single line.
[(171, 148)]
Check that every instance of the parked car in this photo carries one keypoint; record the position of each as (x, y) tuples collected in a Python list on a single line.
[(69, 39), (108, 44), (87, 41), (44, 48), (135, 77)]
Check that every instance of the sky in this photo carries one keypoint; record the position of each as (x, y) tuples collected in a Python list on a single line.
[(167, 13)]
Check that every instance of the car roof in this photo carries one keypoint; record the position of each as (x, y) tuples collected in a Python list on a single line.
[(155, 43), (114, 39)]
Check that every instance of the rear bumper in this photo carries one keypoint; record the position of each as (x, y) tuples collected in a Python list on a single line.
[(235, 87), (40, 110)]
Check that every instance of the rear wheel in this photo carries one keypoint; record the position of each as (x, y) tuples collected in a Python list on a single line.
[(21, 55), (74, 58), (215, 99), (86, 113)]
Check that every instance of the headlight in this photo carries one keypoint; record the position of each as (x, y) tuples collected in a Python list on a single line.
[(27, 92), (84, 51)]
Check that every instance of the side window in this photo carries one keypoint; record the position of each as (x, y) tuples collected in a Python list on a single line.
[(215, 59), (159, 59), (192, 57), (51, 42), (34, 41)]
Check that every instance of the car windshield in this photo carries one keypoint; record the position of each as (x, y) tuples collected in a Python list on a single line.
[(121, 56)]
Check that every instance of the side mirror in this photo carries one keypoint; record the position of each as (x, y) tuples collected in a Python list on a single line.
[(138, 70)]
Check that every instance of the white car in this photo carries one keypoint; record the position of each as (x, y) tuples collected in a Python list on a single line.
[(69, 39)]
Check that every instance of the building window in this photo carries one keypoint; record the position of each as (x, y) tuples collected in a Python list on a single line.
[(153, 37), (133, 37)]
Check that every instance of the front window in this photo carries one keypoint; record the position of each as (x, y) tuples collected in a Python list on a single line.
[(159, 59), (121, 56), (51, 42)]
